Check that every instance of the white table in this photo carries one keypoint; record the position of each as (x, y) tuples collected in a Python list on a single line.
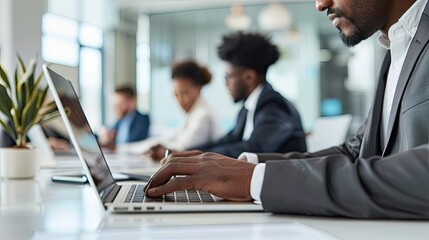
[(40, 206)]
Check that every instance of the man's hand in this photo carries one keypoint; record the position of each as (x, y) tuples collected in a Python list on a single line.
[(211, 172), (176, 154), (156, 152), (106, 139)]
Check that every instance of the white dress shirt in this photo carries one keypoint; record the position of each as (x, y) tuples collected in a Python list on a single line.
[(398, 41), (250, 105)]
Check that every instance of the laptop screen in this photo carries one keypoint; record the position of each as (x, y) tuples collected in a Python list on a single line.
[(86, 139)]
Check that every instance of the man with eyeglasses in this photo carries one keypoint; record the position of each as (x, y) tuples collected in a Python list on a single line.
[(267, 122)]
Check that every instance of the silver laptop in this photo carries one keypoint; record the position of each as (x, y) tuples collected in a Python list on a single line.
[(123, 197)]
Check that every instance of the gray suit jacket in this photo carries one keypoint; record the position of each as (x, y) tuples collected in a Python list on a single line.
[(364, 178)]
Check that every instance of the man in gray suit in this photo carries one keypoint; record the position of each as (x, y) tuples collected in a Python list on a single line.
[(383, 172)]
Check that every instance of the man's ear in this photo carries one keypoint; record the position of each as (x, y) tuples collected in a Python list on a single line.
[(250, 76)]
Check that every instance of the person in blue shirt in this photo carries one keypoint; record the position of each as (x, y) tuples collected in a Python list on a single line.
[(131, 125)]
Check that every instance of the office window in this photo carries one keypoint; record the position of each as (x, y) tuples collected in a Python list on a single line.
[(61, 51), (143, 76), (68, 42), (60, 40), (90, 73), (90, 35), (143, 64), (90, 79)]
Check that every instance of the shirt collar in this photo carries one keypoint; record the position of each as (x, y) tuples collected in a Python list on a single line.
[(129, 115), (408, 22), (252, 100)]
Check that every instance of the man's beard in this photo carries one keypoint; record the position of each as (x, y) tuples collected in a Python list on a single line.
[(241, 94), (356, 37)]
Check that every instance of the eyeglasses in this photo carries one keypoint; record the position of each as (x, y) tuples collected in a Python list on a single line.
[(233, 75), (227, 77)]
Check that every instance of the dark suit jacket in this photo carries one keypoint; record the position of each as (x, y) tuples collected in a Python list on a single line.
[(277, 127), (139, 128), (362, 178)]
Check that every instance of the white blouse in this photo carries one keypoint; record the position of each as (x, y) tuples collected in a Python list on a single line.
[(201, 126)]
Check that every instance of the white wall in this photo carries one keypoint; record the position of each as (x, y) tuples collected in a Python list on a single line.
[(297, 75), (102, 13), (21, 24)]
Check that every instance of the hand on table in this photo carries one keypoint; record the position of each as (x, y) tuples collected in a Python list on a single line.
[(211, 172), (156, 152), (106, 139)]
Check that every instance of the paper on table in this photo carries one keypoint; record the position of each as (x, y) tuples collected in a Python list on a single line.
[(290, 231)]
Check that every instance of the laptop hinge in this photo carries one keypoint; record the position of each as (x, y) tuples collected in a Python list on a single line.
[(111, 193)]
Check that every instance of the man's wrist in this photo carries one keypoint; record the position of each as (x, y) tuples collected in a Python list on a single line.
[(256, 182), (249, 157)]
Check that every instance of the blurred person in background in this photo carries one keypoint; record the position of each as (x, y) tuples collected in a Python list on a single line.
[(267, 121), (201, 124), (131, 126)]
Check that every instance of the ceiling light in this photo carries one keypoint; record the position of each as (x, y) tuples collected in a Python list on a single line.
[(238, 20), (274, 17)]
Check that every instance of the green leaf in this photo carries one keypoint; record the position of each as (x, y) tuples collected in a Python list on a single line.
[(28, 73), (27, 89), (50, 116), (37, 82), (31, 79), (31, 115), (16, 77), (8, 129), (6, 103), (22, 91), (21, 65), (48, 110), (4, 79), (19, 103), (15, 119), (51, 104), (41, 97), (29, 112)]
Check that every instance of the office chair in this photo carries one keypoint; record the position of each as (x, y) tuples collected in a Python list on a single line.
[(328, 132)]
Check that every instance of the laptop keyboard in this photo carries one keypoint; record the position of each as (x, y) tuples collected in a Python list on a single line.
[(136, 195)]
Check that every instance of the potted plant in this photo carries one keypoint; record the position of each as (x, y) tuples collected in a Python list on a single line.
[(22, 106)]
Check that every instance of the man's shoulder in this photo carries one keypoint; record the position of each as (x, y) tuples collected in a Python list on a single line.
[(140, 115), (270, 96)]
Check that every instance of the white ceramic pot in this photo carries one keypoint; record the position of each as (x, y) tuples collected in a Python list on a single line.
[(19, 163)]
